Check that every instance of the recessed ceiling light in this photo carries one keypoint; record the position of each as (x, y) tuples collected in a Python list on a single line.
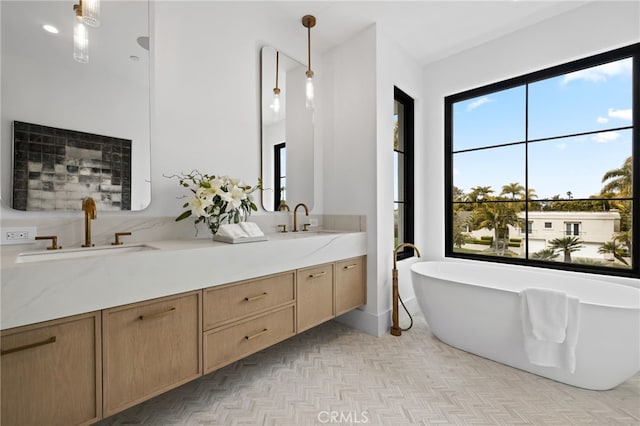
[(50, 29)]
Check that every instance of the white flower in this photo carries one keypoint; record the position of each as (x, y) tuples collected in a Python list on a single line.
[(199, 206), (237, 195)]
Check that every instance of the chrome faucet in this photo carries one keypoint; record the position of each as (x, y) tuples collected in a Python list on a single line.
[(395, 328), (295, 215), (89, 208)]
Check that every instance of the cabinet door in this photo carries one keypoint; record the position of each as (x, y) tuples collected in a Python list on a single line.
[(350, 285), (51, 374), (149, 348), (314, 295)]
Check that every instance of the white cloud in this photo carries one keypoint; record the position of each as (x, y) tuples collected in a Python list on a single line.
[(475, 104), (602, 120), (605, 137), (561, 145), (623, 114), (600, 73)]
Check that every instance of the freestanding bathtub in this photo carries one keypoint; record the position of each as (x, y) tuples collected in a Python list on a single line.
[(476, 307)]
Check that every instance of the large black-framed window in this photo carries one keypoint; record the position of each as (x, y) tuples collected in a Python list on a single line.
[(403, 143), (280, 175), (555, 150)]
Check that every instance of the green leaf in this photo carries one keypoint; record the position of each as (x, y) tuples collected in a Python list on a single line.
[(184, 215)]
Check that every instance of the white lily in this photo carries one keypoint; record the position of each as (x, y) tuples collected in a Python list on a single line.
[(199, 206)]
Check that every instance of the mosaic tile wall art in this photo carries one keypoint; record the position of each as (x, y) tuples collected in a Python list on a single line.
[(54, 169)]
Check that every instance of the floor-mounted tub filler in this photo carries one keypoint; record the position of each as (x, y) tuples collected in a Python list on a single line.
[(477, 308)]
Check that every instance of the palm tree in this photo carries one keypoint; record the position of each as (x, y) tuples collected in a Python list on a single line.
[(566, 245), (479, 193), (514, 189), (616, 249), (497, 216), (545, 254), (619, 181)]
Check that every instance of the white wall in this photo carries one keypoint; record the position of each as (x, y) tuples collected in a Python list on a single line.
[(588, 30), (359, 155), (205, 95)]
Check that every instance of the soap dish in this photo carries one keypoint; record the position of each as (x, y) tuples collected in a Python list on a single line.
[(238, 240)]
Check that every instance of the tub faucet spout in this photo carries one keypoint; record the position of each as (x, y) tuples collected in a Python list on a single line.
[(395, 328)]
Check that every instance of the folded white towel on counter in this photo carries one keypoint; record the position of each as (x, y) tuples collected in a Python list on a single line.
[(547, 313), (251, 229), (549, 353), (231, 230)]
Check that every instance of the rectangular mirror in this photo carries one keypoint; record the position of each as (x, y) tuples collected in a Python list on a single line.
[(90, 105), (287, 133)]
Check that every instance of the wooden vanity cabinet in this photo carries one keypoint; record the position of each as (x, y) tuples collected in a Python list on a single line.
[(149, 348), (245, 317), (315, 297), (51, 372), (350, 289)]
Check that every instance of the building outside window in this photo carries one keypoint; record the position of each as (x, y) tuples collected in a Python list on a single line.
[(507, 146)]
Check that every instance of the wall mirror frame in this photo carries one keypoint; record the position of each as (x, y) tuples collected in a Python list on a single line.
[(108, 96), (287, 167)]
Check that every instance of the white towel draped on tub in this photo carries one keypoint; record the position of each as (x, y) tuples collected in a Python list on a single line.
[(550, 323)]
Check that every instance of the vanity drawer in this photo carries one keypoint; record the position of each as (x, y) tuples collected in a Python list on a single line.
[(231, 302), (228, 344)]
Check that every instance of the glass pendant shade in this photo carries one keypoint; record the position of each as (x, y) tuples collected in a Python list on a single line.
[(80, 42), (309, 92), (276, 102), (91, 12)]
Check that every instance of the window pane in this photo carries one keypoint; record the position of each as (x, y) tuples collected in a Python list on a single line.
[(583, 237), (488, 120), (398, 121), (588, 100), (398, 224), (490, 229), (493, 167), (574, 167), (398, 164)]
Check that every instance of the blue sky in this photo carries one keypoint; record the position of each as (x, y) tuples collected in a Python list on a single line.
[(596, 99)]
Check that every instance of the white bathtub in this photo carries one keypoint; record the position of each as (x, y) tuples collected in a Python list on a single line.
[(476, 307)]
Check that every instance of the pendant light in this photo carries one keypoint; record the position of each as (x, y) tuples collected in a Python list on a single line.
[(91, 12), (80, 37), (276, 90), (309, 21)]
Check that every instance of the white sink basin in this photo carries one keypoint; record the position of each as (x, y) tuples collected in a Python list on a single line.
[(76, 253)]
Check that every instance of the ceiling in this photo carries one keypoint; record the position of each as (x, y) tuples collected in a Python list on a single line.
[(428, 30)]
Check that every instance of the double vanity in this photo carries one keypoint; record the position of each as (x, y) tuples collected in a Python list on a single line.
[(88, 333)]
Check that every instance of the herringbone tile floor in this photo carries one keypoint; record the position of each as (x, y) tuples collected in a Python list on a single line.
[(336, 375)]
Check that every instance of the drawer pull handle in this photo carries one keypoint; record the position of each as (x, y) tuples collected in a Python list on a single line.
[(29, 346), (157, 314), (252, 298), (319, 274), (350, 266), (258, 334)]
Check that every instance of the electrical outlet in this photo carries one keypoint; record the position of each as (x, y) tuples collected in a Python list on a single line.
[(313, 222), (22, 235)]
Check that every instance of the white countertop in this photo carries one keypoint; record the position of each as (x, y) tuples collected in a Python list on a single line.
[(41, 291)]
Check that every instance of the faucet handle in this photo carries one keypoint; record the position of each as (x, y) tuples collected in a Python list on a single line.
[(305, 226), (117, 241), (284, 228), (54, 241)]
